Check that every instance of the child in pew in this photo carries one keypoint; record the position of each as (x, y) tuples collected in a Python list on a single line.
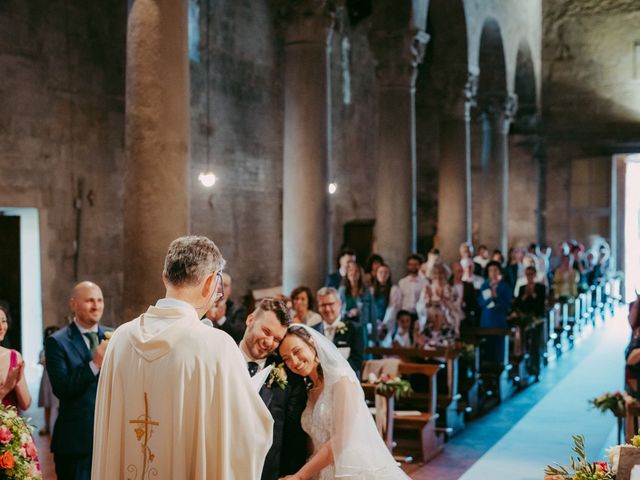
[(402, 336)]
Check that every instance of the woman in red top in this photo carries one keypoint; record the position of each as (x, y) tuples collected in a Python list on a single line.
[(13, 385)]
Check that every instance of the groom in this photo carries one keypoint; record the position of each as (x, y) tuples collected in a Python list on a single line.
[(283, 392)]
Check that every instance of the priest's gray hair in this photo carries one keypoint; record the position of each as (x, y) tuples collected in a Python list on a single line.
[(190, 259)]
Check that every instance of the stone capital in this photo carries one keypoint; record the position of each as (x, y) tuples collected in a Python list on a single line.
[(470, 92), (307, 21), (398, 40), (501, 107)]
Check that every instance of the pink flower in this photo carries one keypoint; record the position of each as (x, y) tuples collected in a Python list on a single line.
[(30, 450), (5, 435), (601, 466)]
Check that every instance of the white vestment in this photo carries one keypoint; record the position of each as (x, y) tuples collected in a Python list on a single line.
[(177, 404)]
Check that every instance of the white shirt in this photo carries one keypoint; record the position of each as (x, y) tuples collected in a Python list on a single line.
[(94, 368), (410, 289), (260, 361), (329, 329)]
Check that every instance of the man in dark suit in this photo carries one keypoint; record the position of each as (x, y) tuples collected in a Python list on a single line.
[(74, 357), (345, 334), (334, 279), (283, 392)]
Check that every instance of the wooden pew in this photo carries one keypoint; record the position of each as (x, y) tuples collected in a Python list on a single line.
[(500, 374), (451, 414), (416, 433)]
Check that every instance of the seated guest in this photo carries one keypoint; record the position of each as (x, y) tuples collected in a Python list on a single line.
[(464, 300), (345, 334), (438, 331), (13, 389), (303, 305), (334, 280), (386, 299), (565, 280), (495, 301), (402, 337), (373, 263), (532, 296), (357, 302)]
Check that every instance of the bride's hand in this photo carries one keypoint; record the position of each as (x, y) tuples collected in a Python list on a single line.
[(295, 476)]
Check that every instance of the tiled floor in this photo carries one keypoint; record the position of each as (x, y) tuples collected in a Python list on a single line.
[(525, 433), (534, 428)]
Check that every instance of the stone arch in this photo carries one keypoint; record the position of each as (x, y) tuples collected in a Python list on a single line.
[(525, 83), (491, 60)]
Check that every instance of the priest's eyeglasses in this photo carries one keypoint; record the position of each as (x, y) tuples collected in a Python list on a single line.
[(218, 288)]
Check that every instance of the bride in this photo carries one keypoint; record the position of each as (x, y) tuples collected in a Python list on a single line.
[(346, 443)]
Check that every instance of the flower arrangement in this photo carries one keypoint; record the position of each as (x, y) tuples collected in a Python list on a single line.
[(580, 468), (390, 385), (609, 401), (278, 376), (18, 454)]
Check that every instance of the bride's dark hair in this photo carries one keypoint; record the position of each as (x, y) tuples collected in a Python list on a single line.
[(305, 336)]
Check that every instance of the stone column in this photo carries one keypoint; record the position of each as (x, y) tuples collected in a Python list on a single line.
[(398, 40), (504, 119), (156, 145), (306, 139), (455, 217), (540, 159)]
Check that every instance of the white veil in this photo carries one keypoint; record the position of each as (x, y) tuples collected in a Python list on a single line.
[(358, 450)]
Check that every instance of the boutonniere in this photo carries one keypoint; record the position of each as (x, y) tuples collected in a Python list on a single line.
[(341, 328), (279, 376)]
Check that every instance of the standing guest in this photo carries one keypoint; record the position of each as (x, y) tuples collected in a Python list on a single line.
[(345, 334), (464, 300), (234, 312), (412, 285), (495, 301), (217, 318), (13, 385), (497, 256), (481, 260), (469, 275), (46, 398), (565, 280), (466, 251), (175, 392), (334, 280), (386, 298), (436, 293), (433, 257), (373, 263), (303, 307), (357, 302), (74, 358), (284, 395), (514, 268), (532, 296)]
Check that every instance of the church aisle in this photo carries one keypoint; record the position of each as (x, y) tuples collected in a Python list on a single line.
[(534, 428)]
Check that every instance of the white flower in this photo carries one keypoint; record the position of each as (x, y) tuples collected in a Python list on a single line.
[(614, 457), (341, 327), (279, 376)]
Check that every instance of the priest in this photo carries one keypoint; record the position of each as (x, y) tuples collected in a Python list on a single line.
[(174, 398)]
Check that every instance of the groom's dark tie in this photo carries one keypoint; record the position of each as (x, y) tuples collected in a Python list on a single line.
[(253, 368)]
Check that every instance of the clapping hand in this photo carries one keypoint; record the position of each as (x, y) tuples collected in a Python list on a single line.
[(13, 377)]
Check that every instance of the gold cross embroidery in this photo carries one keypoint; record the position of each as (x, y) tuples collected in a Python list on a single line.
[(143, 430)]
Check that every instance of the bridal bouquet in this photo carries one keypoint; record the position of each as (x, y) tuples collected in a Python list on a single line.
[(609, 401), (388, 385), (18, 454)]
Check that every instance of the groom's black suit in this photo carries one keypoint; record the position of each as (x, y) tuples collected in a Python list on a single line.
[(289, 449)]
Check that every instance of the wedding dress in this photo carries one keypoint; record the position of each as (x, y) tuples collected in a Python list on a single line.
[(340, 415)]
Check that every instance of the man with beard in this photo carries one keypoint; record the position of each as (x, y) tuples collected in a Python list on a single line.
[(283, 392)]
